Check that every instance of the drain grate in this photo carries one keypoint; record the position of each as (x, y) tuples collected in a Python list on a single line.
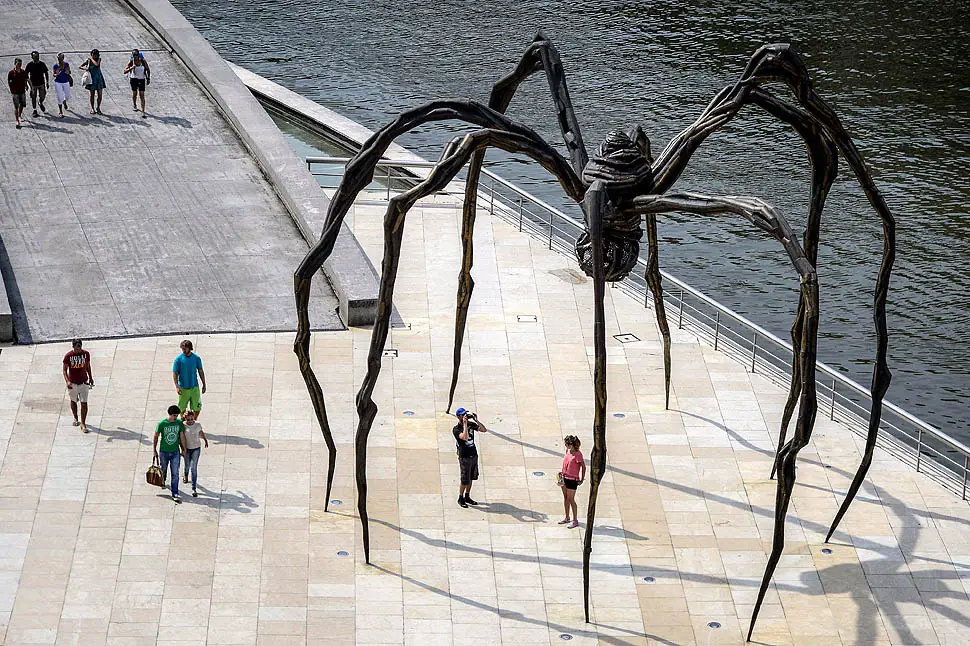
[(391, 352)]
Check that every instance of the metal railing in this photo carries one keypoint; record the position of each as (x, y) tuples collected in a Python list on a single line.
[(918, 444)]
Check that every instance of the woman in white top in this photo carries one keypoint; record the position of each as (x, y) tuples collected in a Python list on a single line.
[(194, 437), (139, 75)]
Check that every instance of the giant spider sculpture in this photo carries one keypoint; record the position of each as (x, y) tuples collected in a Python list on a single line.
[(621, 184)]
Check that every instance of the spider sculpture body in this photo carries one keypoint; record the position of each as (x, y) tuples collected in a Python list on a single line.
[(622, 186)]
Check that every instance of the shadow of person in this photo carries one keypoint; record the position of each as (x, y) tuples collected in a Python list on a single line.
[(39, 125), (519, 514), (171, 121), (239, 502), (121, 434), (233, 440)]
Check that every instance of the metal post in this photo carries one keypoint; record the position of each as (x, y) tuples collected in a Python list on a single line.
[(491, 201), (680, 316), (919, 449), (754, 350), (717, 325), (388, 183), (832, 408), (966, 466), (520, 214), (550, 230)]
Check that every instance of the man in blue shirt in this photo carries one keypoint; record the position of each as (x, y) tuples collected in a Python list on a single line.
[(186, 373)]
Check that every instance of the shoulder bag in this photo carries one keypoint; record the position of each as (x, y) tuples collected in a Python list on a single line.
[(155, 476)]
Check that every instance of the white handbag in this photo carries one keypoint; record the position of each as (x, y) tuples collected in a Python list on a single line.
[(86, 79)]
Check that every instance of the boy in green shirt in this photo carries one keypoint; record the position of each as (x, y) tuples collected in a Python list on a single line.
[(171, 431)]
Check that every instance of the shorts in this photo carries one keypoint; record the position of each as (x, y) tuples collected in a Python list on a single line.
[(137, 85), (569, 483), (191, 398), (63, 91), (19, 100), (79, 393), (469, 469)]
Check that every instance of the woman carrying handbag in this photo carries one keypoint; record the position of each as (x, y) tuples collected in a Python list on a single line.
[(93, 79)]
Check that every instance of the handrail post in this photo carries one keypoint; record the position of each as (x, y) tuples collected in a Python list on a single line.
[(832, 408), (717, 325), (491, 201), (680, 315), (520, 214), (550, 229), (966, 467), (919, 449), (388, 183), (754, 350)]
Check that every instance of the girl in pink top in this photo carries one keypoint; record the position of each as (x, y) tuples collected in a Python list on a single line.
[(573, 473)]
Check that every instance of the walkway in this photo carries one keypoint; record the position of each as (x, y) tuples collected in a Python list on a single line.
[(115, 225), (92, 554)]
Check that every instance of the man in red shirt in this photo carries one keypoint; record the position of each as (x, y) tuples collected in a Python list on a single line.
[(17, 82), (80, 380)]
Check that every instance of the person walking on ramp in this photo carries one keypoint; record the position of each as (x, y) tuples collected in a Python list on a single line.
[(186, 373), (464, 431), (79, 380)]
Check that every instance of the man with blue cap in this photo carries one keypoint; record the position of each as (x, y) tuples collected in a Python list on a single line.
[(464, 431)]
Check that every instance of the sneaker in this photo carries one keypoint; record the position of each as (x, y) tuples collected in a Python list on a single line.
[(573, 525), (176, 498), (195, 494), (563, 521), (185, 479), (42, 108), (461, 502), (35, 113), (468, 499), (135, 108)]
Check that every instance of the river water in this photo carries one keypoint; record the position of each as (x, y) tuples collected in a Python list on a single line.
[(895, 72)]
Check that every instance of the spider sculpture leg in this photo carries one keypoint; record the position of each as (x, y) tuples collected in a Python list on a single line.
[(454, 157), (594, 204), (654, 279), (768, 219), (540, 55), (823, 156), (359, 173), (782, 63)]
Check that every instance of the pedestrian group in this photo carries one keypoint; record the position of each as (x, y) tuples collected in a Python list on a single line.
[(36, 78), (179, 437)]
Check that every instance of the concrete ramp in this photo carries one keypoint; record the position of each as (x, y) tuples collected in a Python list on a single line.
[(118, 225)]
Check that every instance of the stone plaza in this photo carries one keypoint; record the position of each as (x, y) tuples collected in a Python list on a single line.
[(92, 554)]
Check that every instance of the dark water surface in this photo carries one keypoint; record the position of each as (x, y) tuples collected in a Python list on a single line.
[(896, 73)]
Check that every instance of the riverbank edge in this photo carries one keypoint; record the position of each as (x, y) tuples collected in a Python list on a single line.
[(350, 273)]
